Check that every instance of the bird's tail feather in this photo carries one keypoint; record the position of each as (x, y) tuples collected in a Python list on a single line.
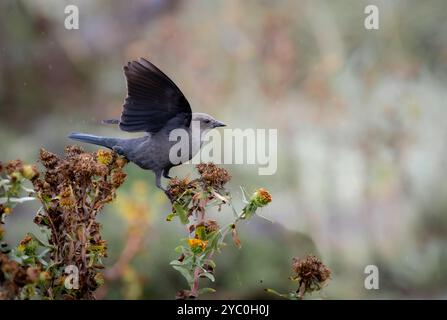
[(97, 140)]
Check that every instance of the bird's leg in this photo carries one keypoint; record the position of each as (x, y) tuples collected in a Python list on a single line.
[(158, 180), (166, 173), (158, 183), (118, 150)]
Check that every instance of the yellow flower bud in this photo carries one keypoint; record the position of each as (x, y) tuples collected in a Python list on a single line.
[(29, 171), (197, 243), (261, 197), (104, 157)]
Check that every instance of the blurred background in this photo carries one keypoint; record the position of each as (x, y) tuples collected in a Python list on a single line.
[(361, 118)]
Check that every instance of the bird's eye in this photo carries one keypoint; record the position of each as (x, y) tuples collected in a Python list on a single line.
[(207, 121)]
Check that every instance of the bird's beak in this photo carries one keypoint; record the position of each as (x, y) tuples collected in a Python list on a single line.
[(219, 124)]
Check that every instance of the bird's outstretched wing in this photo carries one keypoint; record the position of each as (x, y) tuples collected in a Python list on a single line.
[(152, 99)]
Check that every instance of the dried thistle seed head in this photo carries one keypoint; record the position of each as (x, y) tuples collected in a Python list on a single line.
[(212, 175), (261, 197), (118, 178), (176, 186), (100, 170), (71, 151), (120, 162), (211, 226), (67, 199), (30, 172), (14, 166), (48, 159), (104, 157), (74, 188), (83, 165), (311, 273)]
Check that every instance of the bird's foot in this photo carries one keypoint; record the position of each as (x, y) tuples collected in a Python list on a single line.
[(118, 150), (166, 174), (170, 196)]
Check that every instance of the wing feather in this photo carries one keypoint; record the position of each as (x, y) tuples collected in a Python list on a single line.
[(152, 99)]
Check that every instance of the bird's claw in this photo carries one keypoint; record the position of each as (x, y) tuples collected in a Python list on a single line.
[(118, 150), (170, 196)]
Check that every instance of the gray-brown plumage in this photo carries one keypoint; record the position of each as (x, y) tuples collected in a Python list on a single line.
[(155, 105)]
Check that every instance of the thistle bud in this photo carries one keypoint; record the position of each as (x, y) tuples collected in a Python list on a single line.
[(29, 172), (261, 197)]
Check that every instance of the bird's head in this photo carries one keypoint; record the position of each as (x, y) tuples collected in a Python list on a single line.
[(206, 121)]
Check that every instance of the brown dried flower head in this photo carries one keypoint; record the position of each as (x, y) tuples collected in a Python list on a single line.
[(67, 199), (25, 241), (213, 175), (72, 151), (211, 226), (74, 188), (118, 178), (48, 159), (176, 186), (120, 162), (14, 166), (311, 274)]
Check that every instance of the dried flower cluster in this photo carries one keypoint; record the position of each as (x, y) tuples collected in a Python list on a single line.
[(18, 280), (190, 201), (177, 187), (310, 273), (12, 177), (15, 169), (73, 190), (212, 175), (12, 277)]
